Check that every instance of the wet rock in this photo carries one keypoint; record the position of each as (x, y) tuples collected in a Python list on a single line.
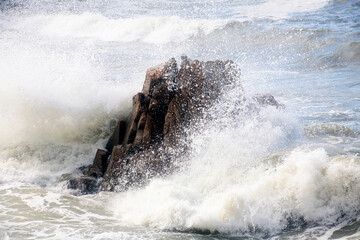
[(160, 74), (149, 129), (171, 100), (172, 123), (199, 85), (117, 137), (98, 168), (139, 106), (84, 185), (116, 166), (267, 99), (142, 121), (133, 167), (90, 180), (150, 142)]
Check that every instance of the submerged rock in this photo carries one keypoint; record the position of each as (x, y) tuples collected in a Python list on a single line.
[(84, 185), (267, 99)]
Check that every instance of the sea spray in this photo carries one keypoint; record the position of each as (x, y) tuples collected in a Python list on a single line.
[(56, 109)]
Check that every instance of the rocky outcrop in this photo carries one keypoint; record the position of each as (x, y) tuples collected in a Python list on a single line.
[(150, 141), (171, 100)]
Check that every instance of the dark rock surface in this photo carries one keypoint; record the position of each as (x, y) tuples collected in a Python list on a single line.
[(117, 137)]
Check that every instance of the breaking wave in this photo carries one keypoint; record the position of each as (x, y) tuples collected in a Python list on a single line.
[(300, 187)]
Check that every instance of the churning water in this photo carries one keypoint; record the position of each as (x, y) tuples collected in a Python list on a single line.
[(68, 71)]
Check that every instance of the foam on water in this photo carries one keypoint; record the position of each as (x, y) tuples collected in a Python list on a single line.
[(61, 215)]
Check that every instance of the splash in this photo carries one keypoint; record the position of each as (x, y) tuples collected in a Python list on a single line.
[(56, 108)]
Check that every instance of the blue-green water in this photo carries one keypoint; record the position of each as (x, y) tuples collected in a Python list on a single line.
[(69, 69)]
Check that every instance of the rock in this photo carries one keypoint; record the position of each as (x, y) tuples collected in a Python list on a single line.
[(267, 99), (117, 137), (163, 73), (171, 100), (98, 168), (133, 167), (142, 121), (139, 106), (84, 185), (91, 179), (172, 121), (153, 77), (200, 84), (116, 165), (151, 141), (148, 129)]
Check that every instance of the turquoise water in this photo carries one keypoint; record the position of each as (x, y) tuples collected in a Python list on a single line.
[(69, 69)]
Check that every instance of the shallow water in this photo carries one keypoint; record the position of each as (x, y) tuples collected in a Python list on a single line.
[(68, 71)]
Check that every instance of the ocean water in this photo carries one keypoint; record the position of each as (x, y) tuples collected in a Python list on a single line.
[(68, 71)]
